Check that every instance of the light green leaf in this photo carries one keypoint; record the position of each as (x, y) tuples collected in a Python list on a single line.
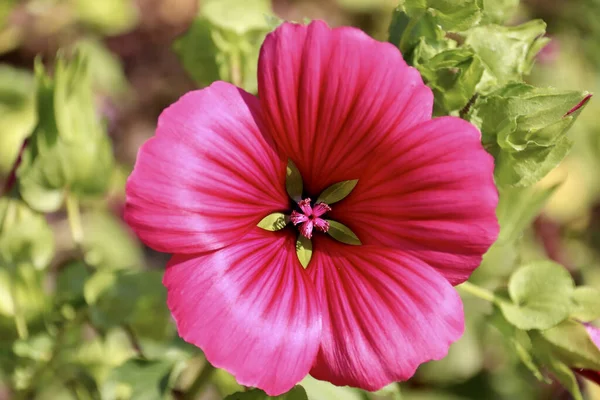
[(106, 69), (507, 52), (293, 182), (108, 16), (17, 115), (452, 73), (297, 393), (321, 390), (198, 53), (517, 207), (337, 191), (69, 147), (524, 129), (587, 304), (541, 296), (303, 250), (498, 11), (570, 342), (342, 233), (109, 244), (139, 380), (25, 237), (451, 15), (274, 222), (237, 16), (135, 299), (406, 32)]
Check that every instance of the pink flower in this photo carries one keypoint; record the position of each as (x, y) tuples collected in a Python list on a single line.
[(341, 106)]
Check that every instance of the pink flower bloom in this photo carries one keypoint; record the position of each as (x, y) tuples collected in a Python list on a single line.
[(342, 107)]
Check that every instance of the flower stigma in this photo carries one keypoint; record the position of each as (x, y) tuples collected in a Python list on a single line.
[(310, 217)]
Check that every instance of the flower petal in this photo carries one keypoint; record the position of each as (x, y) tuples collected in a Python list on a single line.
[(386, 312), (250, 307), (331, 96), (208, 176), (430, 193)]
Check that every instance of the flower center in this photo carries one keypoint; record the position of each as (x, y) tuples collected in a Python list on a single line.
[(310, 217)]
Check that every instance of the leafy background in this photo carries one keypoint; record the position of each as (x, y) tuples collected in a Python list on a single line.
[(82, 308)]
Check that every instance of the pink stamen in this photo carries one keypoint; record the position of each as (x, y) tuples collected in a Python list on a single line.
[(310, 218)]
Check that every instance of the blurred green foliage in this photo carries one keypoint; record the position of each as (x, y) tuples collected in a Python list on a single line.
[(82, 309)]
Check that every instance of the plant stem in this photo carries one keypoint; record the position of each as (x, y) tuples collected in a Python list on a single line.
[(236, 68), (478, 291), (74, 216), (200, 381), (20, 322)]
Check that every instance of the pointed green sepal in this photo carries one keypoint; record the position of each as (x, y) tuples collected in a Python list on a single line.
[(342, 233), (337, 191), (274, 222), (303, 250), (293, 181)]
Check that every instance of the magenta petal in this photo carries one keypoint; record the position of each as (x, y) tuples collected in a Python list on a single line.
[(386, 313), (208, 176), (431, 193), (250, 307), (331, 96)]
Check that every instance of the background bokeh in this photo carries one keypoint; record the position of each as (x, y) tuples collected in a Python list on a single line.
[(99, 328)]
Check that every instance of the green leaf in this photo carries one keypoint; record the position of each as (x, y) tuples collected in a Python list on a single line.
[(70, 283), (507, 52), (517, 208), (321, 390), (524, 129), (69, 147), (108, 243), (274, 222), (451, 15), (541, 294), (570, 342), (139, 380), (342, 233), (237, 16), (293, 182), (406, 32), (135, 299), (452, 73), (297, 393), (337, 191), (198, 53), (108, 16), (303, 250), (498, 11), (25, 237), (587, 304), (106, 69), (17, 115)]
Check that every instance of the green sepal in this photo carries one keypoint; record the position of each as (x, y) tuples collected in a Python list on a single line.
[(337, 192), (293, 182), (541, 296), (274, 222), (342, 233), (303, 250)]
